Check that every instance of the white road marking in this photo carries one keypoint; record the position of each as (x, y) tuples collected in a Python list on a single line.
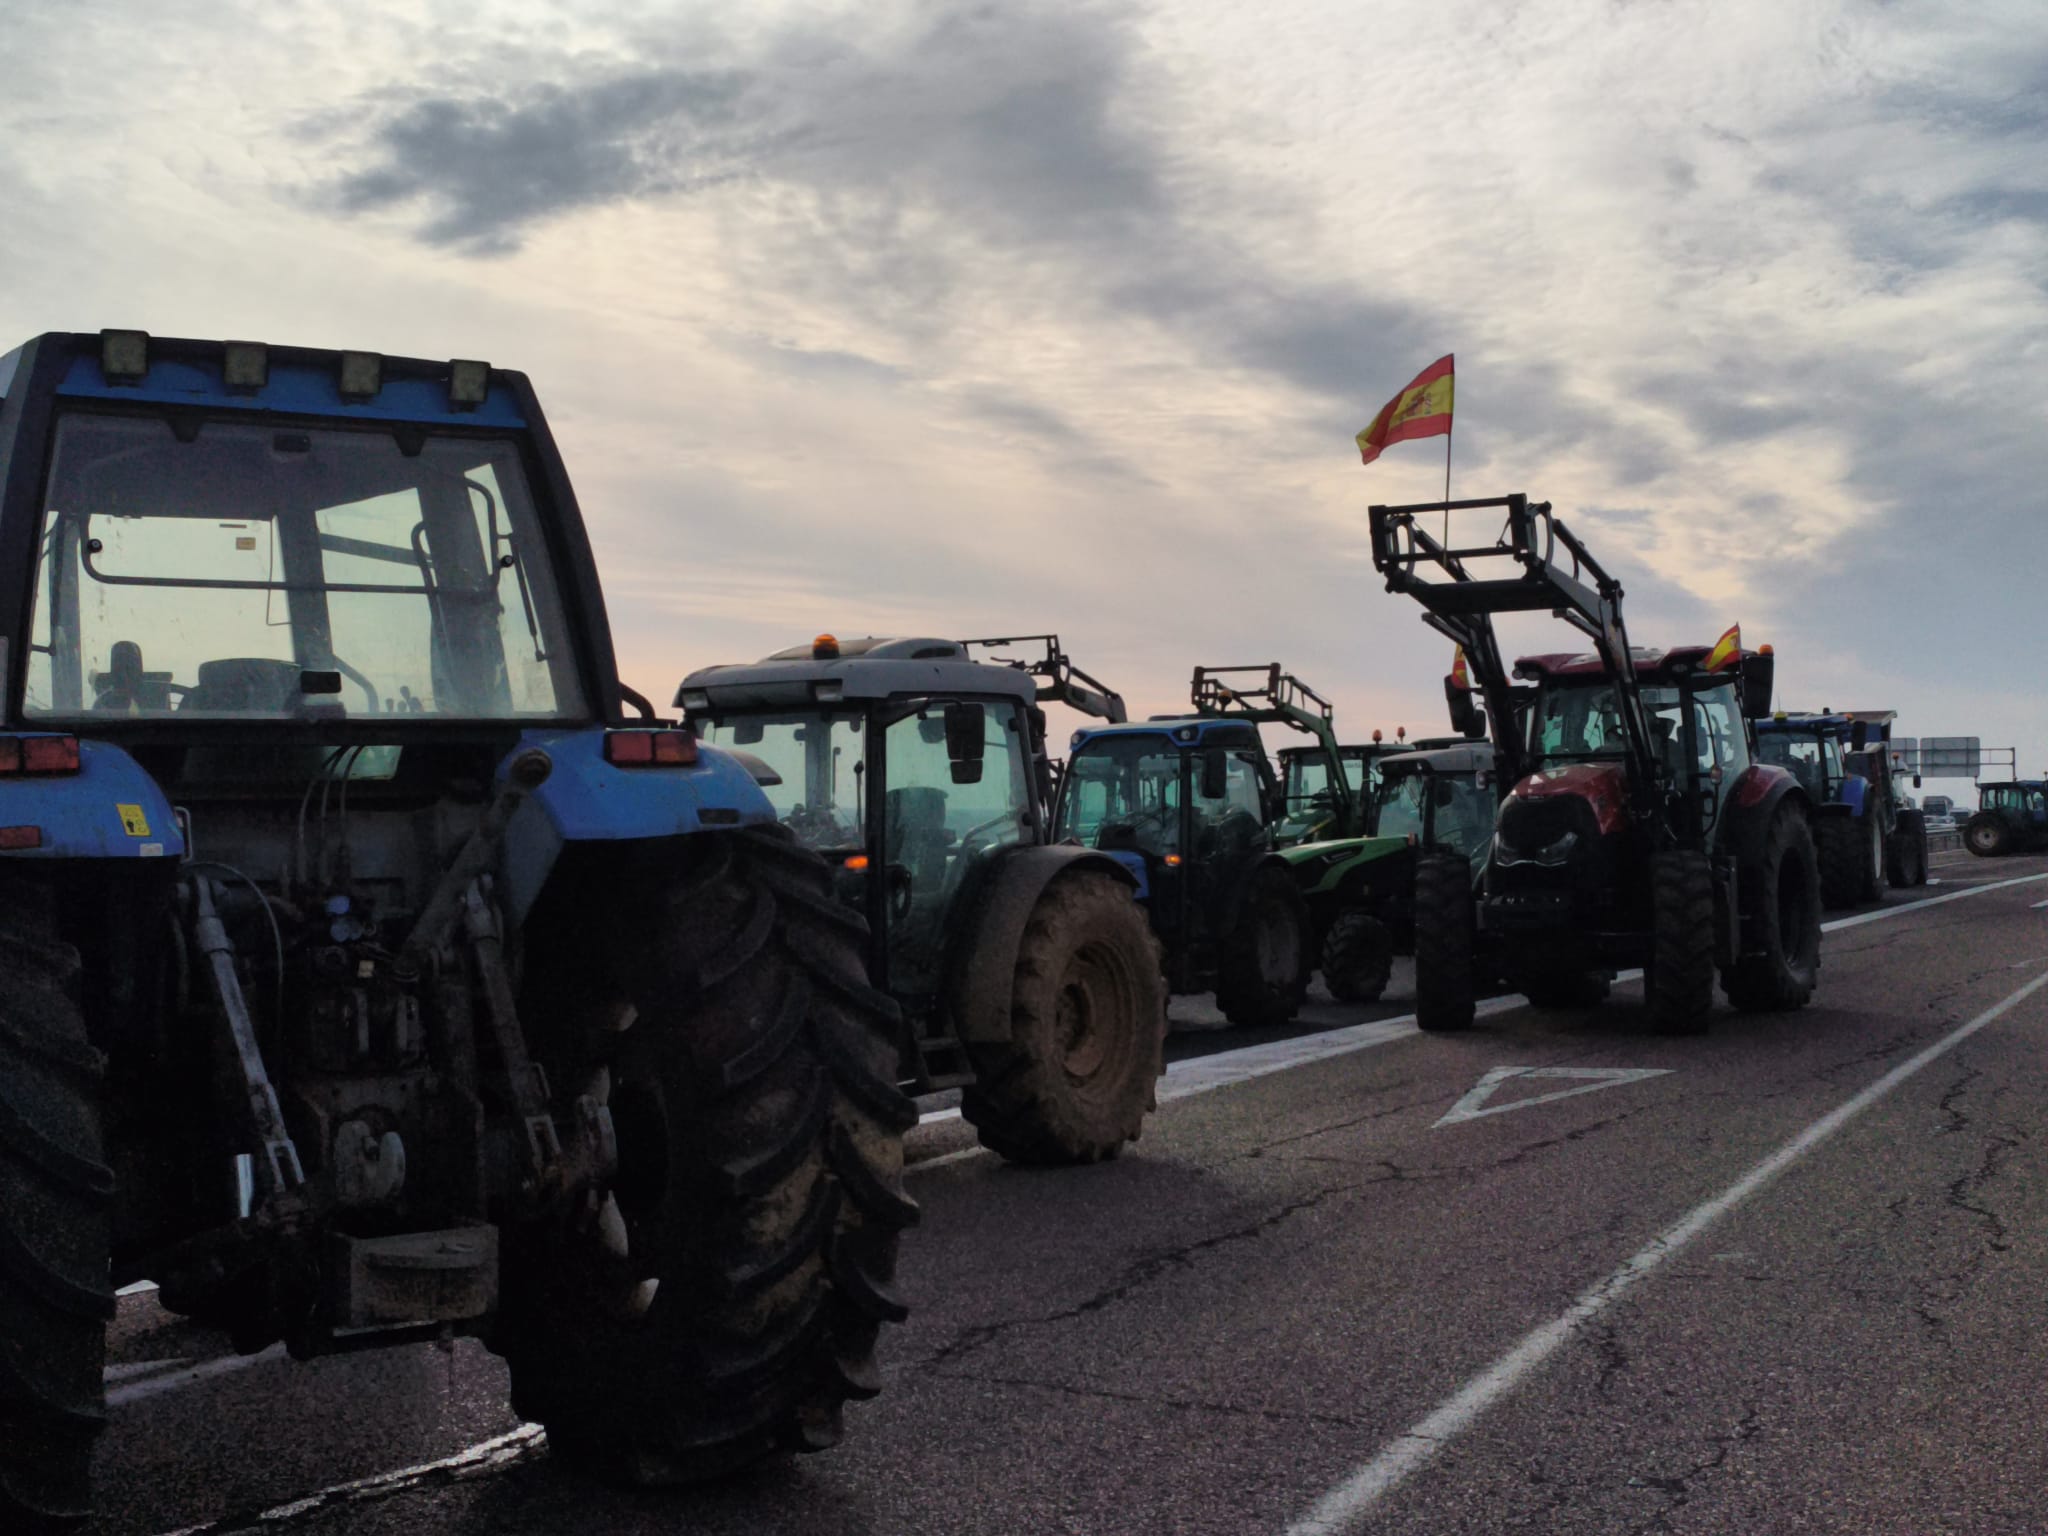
[(135, 1368), (2038, 906), (1343, 1507), (176, 1381), (484, 1456), (1473, 1105), (139, 1288), (1882, 913)]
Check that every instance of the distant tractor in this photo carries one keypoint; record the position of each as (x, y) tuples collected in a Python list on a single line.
[(375, 967), (1026, 973), (2010, 818), (1639, 829), (1436, 800), (1191, 807), (1866, 835)]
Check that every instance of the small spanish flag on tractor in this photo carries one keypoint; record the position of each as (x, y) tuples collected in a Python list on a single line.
[(1461, 676), (1727, 650), (1423, 409)]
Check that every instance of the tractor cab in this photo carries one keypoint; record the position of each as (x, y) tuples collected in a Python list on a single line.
[(1443, 798), (1305, 778), (908, 765)]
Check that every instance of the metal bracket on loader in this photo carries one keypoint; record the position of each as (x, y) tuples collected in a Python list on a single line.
[(1461, 603), (1059, 680)]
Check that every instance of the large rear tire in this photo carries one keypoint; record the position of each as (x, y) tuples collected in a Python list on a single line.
[(724, 1298), (1842, 846), (1263, 970), (1079, 1073), (56, 1196), (1907, 856), (1445, 923), (1679, 979), (1358, 956), (1782, 892), (1987, 836)]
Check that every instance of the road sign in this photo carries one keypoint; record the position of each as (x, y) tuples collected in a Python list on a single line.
[(1951, 757)]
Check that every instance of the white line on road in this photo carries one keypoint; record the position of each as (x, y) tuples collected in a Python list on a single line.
[(1473, 1105), (1344, 1506), (206, 1370), (485, 1456)]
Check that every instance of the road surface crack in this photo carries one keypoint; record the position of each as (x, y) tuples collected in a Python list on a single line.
[(1145, 1271), (1678, 1490), (1157, 1400)]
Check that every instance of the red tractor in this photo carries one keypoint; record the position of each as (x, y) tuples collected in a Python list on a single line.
[(1641, 829)]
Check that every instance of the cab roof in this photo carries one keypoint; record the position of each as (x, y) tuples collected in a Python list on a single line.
[(1649, 661), (1180, 732), (1461, 757), (871, 667)]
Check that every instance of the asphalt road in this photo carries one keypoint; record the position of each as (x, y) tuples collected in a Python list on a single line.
[(1557, 1274)]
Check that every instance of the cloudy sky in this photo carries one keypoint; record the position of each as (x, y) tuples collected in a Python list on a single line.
[(961, 318)]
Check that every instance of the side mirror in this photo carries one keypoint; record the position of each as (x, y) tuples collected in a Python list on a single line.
[(746, 733), (1859, 735), (1759, 671), (1916, 781), (1215, 776), (1467, 719), (966, 746)]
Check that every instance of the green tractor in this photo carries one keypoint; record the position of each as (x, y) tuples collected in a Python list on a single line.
[(2010, 818), (1438, 797), (1026, 973)]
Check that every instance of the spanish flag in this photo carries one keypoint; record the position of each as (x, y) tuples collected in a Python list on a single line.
[(1727, 650), (1461, 676), (1423, 409)]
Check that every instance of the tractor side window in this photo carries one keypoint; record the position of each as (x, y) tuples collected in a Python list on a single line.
[(1401, 805), (1722, 741)]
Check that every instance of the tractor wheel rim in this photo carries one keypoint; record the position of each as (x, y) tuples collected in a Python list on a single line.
[(1088, 1010), (1277, 946)]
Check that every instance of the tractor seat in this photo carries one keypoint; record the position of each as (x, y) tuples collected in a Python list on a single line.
[(126, 686), (244, 685)]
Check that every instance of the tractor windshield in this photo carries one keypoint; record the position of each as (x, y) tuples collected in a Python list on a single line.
[(1461, 818), (231, 570), (1308, 783), (1123, 791), (1812, 757), (818, 764), (1578, 720)]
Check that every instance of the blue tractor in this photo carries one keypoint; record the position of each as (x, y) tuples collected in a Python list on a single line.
[(1866, 834), (1191, 806), (377, 967)]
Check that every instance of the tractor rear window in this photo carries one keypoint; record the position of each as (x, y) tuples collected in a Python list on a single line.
[(232, 570)]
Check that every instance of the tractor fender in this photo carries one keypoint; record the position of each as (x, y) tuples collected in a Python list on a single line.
[(981, 969), (585, 799), (109, 809), (1350, 869), (1751, 803), (1856, 794)]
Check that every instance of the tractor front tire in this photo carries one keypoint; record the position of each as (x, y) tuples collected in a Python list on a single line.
[(1358, 956), (723, 1299), (1987, 836), (1445, 938), (1263, 971), (1782, 894), (1906, 859), (1079, 1073), (56, 1197), (1679, 979)]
